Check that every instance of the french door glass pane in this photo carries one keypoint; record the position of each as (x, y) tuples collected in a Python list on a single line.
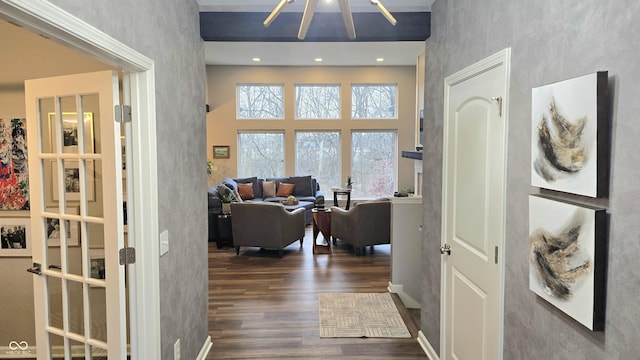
[(261, 154), (76, 307), (318, 154), (373, 163)]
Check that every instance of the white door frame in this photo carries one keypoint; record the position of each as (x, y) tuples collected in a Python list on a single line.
[(49, 20), (503, 58)]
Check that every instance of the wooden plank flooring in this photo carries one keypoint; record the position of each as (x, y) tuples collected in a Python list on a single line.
[(265, 307)]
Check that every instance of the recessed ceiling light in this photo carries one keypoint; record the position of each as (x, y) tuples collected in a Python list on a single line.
[(255, 59), (379, 59), (318, 59)]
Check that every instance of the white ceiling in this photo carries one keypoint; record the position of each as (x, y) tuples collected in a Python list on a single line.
[(304, 53)]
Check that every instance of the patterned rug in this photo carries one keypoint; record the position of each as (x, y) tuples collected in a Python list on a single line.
[(360, 315)]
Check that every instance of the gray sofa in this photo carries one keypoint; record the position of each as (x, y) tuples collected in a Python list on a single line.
[(306, 190)]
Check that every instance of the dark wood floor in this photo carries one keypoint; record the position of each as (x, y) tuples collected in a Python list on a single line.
[(265, 307)]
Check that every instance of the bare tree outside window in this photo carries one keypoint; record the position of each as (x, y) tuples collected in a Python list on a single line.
[(374, 163), (260, 101), (261, 154), (318, 154), (317, 101), (374, 101)]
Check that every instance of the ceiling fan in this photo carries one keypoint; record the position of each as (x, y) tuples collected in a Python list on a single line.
[(310, 9)]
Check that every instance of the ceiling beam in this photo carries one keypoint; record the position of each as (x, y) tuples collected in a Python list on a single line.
[(325, 27)]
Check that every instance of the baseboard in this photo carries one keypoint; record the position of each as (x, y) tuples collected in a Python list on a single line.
[(408, 301), (426, 347), (206, 347)]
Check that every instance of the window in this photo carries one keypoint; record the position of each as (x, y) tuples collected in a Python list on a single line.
[(317, 101), (260, 101), (260, 154), (373, 101), (318, 153), (373, 163)]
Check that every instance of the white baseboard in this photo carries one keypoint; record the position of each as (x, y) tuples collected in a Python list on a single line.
[(206, 347), (426, 347), (407, 300)]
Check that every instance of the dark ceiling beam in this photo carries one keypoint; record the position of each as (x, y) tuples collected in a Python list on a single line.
[(325, 27)]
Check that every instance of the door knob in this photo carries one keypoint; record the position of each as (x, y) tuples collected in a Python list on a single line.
[(36, 269), (445, 249)]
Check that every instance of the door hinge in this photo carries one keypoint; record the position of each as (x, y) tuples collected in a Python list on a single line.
[(498, 99), (127, 256), (123, 113), (496, 255)]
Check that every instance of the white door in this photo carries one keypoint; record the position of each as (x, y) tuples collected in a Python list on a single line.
[(474, 172), (76, 216)]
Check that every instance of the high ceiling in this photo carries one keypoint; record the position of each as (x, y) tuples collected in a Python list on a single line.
[(234, 33)]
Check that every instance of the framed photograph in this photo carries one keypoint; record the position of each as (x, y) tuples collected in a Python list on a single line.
[(570, 136), (567, 256), (15, 237), (14, 181), (70, 132), (220, 151), (53, 228), (72, 181), (96, 261)]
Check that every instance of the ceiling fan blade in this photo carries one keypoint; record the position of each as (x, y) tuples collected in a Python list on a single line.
[(274, 14), (307, 16), (345, 9), (385, 12)]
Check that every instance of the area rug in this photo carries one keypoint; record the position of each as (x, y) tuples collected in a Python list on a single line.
[(360, 315)]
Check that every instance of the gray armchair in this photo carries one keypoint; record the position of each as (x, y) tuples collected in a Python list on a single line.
[(366, 223), (266, 225)]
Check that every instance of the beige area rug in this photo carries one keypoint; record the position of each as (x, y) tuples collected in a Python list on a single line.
[(360, 315)]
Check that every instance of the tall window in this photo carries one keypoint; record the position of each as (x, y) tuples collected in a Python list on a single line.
[(374, 101), (260, 101), (374, 163), (261, 154), (317, 101), (318, 153)]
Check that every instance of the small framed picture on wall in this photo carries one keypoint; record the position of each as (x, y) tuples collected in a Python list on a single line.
[(15, 237), (220, 151)]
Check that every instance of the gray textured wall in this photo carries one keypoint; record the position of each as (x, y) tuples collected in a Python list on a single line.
[(168, 32), (551, 41)]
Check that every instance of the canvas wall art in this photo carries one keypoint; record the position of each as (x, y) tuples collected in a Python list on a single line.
[(14, 170), (566, 258), (570, 136)]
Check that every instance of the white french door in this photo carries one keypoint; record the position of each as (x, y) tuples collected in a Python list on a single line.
[(77, 216)]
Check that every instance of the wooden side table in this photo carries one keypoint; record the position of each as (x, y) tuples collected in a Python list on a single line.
[(322, 224), (337, 192)]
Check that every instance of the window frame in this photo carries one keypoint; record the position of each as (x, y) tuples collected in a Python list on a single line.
[(280, 85), (396, 100), (325, 85)]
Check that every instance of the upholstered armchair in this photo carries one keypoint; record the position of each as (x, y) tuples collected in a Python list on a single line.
[(266, 225), (366, 223)]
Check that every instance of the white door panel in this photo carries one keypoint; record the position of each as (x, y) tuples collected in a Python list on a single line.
[(473, 210), (76, 216)]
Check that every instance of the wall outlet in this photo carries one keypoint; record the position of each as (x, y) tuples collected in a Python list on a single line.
[(176, 350)]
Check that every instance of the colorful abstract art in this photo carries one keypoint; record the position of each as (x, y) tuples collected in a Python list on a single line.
[(566, 257), (14, 170)]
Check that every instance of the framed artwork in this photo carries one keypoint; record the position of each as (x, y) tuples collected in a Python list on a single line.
[(567, 258), (96, 261), (70, 132), (570, 136), (15, 237), (220, 151), (72, 181), (53, 228), (14, 169)]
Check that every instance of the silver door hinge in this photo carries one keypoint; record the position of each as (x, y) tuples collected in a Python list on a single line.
[(498, 99), (127, 256), (123, 113)]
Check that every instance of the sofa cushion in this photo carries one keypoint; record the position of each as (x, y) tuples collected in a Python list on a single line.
[(302, 185), (257, 184), (285, 189), (246, 191), (269, 188)]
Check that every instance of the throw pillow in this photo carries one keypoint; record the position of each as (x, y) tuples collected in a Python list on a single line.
[(246, 191), (269, 189), (285, 189), (303, 185)]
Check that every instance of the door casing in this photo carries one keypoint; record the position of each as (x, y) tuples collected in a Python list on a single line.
[(51, 21)]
